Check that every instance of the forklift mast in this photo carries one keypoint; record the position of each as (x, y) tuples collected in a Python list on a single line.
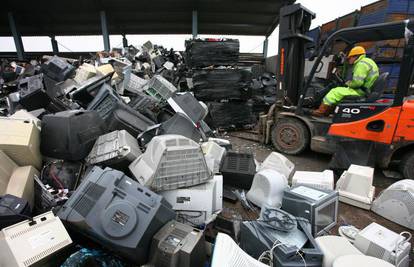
[(295, 21)]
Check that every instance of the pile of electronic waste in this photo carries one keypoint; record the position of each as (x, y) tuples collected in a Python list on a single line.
[(234, 94), (109, 164)]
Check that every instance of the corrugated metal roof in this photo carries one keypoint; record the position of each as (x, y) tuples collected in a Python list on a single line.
[(63, 17)]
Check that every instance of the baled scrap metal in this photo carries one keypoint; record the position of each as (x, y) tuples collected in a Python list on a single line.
[(207, 52), (218, 84), (231, 114)]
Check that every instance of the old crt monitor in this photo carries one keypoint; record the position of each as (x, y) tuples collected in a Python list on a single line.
[(319, 206), (116, 212)]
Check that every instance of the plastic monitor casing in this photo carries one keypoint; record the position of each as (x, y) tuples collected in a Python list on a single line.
[(116, 212), (198, 204), (355, 186), (171, 162), (20, 140), (238, 169), (318, 206), (114, 149), (278, 162), (319, 180), (228, 254), (214, 155), (396, 203), (267, 188)]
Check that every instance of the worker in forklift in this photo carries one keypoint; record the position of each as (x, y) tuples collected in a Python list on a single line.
[(365, 72)]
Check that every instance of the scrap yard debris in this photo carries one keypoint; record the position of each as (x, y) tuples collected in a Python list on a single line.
[(116, 160)]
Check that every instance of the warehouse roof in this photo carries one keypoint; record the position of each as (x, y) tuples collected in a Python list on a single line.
[(64, 17)]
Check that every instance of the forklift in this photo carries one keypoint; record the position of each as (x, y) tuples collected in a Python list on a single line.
[(372, 130)]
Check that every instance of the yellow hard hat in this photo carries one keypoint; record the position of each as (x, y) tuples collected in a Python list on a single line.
[(357, 50)]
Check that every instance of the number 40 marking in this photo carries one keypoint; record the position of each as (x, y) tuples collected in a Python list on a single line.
[(351, 110)]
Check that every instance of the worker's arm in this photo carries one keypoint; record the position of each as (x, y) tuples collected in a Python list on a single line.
[(360, 73)]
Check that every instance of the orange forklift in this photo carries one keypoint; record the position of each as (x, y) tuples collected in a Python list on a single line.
[(373, 130)]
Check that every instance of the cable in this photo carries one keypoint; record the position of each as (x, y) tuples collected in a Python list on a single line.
[(300, 255), (17, 214), (397, 245)]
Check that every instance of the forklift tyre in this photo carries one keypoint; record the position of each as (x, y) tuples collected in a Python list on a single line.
[(407, 165), (290, 136)]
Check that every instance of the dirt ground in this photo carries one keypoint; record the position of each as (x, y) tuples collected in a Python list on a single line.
[(312, 161)]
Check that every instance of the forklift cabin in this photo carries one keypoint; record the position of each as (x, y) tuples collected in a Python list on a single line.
[(369, 130)]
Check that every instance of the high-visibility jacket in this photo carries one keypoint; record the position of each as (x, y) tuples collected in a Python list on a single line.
[(364, 74)]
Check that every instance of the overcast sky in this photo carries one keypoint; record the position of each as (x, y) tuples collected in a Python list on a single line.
[(326, 10)]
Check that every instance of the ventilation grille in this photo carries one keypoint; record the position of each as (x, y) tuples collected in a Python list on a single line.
[(375, 251), (402, 196), (239, 163), (31, 228), (85, 204), (46, 253), (179, 233)]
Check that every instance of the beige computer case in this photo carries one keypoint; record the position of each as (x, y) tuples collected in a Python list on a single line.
[(21, 183), (20, 140), (27, 244)]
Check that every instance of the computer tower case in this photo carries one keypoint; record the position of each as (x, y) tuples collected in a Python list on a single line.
[(33, 116), (116, 212), (319, 206), (238, 169), (20, 140), (126, 118), (178, 245), (36, 242), (116, 149), (105, 102), (58, 69), (13, 210), (70, 135), (32, 93)]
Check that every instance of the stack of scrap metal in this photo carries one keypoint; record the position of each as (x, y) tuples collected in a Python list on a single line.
[(232, 95), (211, 52)]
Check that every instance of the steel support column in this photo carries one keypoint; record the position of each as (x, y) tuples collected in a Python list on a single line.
[(265, 47), (105, 33), (55, 47), (124, 41), (195, 24), (16, 36)]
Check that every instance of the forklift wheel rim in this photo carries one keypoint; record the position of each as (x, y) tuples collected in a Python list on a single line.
[(288, 137)]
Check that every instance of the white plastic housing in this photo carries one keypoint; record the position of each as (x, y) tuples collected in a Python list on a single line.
[(171, 162), (214, 155), (396, 203), (279, 163), (267, 188), (355, 186), (320, 180)]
